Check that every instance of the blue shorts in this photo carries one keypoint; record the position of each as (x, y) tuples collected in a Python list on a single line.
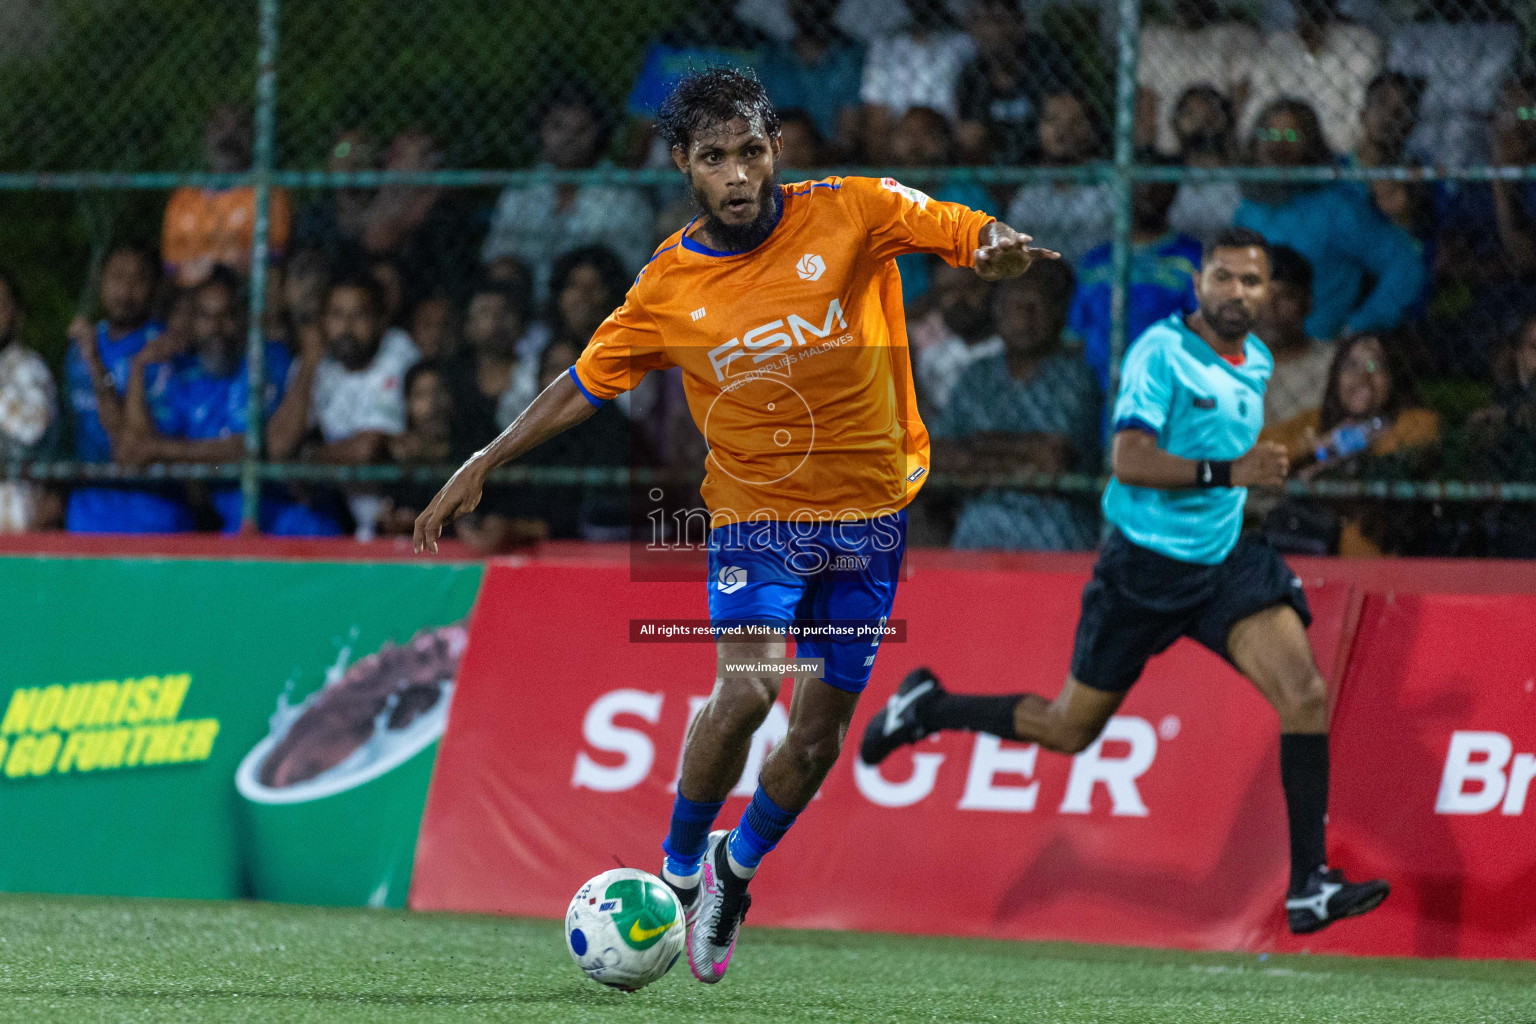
[(783, 573)]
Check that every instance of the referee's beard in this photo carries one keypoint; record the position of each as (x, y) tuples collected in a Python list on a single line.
[(1231, 320), (741, 237)]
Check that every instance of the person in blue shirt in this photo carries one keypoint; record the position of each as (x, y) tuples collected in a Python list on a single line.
[(1163, 268), (712, 36), (1186, 450), (96, 378), (201, 414), (1344, 237), (818, 71)]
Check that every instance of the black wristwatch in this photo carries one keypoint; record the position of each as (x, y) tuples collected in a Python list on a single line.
[(1213, 473)]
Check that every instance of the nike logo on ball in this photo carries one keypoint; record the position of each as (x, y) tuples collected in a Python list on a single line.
[(638, 934)]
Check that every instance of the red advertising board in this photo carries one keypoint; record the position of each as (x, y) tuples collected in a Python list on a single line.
[(562, 754), (1435, 742)]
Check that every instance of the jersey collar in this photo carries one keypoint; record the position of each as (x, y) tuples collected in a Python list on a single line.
[(1248, 342)]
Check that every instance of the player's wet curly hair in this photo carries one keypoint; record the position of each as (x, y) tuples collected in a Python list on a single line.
[(713, 96)]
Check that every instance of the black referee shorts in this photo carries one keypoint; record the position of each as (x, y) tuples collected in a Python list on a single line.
[(1139, 602)]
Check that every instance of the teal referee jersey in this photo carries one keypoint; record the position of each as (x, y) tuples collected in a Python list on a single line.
[(1176, 387)]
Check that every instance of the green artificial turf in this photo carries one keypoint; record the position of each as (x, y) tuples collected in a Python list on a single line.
[(85, 959)]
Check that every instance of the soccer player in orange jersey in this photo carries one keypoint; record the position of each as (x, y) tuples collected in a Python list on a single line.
[(781, 304)]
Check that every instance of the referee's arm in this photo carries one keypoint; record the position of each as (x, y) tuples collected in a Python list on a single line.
[(1139, 462)]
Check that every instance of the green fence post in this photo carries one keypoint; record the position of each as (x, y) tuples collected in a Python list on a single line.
[(1128, 40), (255, 338)]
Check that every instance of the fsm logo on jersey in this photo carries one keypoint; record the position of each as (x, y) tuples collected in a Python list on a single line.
[(998, 777), (776, 336)]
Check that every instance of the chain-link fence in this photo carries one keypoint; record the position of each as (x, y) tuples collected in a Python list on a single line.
[(1386, 146)]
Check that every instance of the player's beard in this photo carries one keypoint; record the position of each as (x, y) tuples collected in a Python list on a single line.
[(741, 237)]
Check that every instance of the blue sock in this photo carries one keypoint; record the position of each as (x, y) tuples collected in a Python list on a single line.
[(688, 835), (761, 828)]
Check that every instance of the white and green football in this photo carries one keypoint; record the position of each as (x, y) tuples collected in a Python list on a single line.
[(625, 928)]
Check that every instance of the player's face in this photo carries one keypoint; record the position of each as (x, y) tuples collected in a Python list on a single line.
[(731, 168), (1234, 289), (216, 329), (126, 286), (352, 327)]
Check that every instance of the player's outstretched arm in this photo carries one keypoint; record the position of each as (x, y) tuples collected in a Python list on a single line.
[(1139, 462), (558, 408), (1005, 252)]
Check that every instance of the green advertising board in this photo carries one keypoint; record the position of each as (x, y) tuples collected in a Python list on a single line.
[(216, 729)]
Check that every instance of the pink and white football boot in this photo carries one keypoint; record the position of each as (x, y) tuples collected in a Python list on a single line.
[(715, 918)]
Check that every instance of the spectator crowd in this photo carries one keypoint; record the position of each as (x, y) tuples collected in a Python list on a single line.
[(408, 325)]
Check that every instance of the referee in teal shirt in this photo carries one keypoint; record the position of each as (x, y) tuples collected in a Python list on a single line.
[(1186, 450)]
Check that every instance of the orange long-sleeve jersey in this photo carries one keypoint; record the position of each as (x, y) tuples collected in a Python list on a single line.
[(204, 227), (793, 354)]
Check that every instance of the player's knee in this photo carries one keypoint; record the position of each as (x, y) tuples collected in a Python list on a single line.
[(1066, 736), (813, 751), (1069, 738), (741, 705), (1304, 702)]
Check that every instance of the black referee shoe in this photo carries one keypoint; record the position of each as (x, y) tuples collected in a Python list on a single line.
[(899, 722), (1329, 897)]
